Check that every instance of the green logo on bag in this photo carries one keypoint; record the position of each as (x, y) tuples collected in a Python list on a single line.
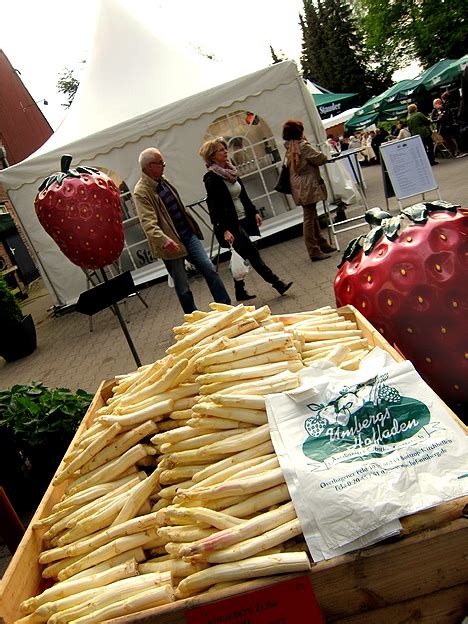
[(363, 420)]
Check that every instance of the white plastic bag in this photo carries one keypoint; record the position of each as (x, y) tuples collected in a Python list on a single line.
[(360, 450), (239, 267)]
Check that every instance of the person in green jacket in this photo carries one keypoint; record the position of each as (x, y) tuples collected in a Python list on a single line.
[(418, 123)]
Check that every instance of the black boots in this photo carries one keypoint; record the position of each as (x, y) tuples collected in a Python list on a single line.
[(282, 287), (240, 292)]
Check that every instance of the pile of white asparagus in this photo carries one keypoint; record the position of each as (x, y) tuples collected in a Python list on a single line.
[(175, 487)]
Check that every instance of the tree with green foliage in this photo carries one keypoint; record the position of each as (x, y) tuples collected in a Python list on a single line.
[(68, 84), (334, 53), (275, 57), (427, 30)]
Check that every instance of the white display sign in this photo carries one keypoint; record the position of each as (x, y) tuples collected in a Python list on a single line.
[(408, 167)]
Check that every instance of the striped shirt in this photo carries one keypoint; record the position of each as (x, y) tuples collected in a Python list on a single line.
[(174, 211)]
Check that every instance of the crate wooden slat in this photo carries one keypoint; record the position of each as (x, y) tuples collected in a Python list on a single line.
[(413, 576)]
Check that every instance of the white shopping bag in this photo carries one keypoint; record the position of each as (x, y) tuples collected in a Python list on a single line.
[(361, 449), (239, 267)]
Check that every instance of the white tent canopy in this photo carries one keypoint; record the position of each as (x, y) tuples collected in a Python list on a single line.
[(338, 119), (136, 93)]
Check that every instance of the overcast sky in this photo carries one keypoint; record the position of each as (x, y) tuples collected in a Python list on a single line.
[(42, 37)]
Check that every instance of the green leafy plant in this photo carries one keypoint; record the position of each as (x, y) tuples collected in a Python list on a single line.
[(35, 413), (10, 309)]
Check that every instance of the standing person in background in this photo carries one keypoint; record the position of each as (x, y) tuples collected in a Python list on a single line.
[(463, 110), (420, 124), (403, 132), (379, 137), (451, 126), (172, 233), (233, 215), (307, 186), (444, 119)]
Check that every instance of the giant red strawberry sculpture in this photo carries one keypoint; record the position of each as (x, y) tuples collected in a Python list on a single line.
[(409, 277), (80, 209)]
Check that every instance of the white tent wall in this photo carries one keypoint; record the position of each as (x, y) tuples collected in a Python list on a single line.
[(274, 94)]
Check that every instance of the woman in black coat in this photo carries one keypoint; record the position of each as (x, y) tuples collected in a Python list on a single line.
[(233, 215)]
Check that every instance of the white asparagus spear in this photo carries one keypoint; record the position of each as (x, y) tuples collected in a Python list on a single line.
[(81, 547), (256, 451), (178, 392), (180, 473), (150, 598), (251, 416), (88, 453), (243, 441), (184, 533), (257, 567), (254, 545), (177, 567), (118, 546), (161, 385), (89, 495), (121, 444), (250, 506), (245, 530), (197, 515), (238, 352), (244, 485), (153, 412), (136, 497), (90, 524), (207, 329), (112, 469), (108, 595), (170, 491), (136, 553), (224, 475), (252, 372), (195, 442), (176, 435), (281, 382), (244, 400), (60, 521), (216, 423), (255, 360), (76, 585)]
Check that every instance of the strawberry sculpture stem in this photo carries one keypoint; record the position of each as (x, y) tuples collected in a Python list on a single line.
[(408, 277)]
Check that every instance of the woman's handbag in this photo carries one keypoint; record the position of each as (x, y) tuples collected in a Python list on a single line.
[(283, 185)]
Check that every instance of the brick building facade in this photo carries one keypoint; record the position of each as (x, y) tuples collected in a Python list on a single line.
[(23, 129)]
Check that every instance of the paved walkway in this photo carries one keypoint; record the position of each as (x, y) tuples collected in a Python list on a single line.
[(69, 355)]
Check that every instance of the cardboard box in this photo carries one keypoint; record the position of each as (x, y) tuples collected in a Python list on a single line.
[(418, 577)]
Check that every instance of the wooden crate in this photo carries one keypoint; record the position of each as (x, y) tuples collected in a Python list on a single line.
[(420, 576)]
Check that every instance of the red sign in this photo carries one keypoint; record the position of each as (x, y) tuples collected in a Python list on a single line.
[(289, 602)]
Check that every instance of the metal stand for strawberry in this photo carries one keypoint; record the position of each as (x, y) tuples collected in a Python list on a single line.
[(80, 209), (115, 308)]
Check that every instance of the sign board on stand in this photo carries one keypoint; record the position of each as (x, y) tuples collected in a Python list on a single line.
[(408, 168)]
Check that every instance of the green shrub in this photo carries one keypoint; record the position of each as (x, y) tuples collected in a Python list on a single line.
[(10, 309), (33, 412)]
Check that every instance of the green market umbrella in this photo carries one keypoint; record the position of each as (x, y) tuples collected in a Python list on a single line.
[(359, 122), (379, 102), (329, 104), (423, 82), (450, 73)]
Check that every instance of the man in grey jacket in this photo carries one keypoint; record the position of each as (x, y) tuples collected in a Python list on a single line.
[(172, 233)]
